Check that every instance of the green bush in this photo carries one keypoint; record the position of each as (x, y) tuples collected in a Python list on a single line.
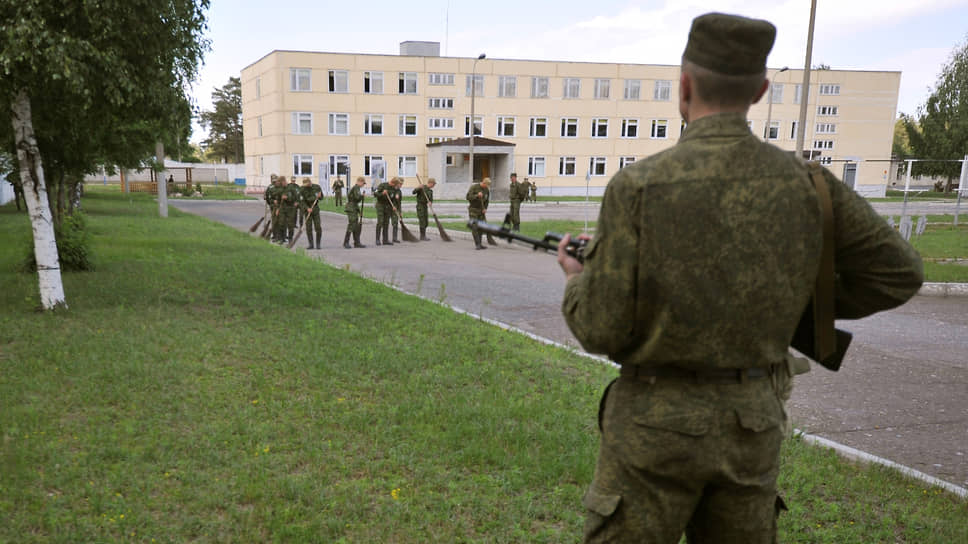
[(73, 246)]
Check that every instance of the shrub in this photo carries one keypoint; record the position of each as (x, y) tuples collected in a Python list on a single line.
[(73, 246)]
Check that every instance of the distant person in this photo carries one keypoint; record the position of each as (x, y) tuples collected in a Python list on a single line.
[(704, 259), (338, 192), (425, 196), (478, 197), (310, 195), (534, 192), (517, 192), (354, 214)]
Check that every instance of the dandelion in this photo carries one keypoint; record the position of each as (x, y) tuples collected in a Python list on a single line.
[(341, 399), (395, 494), (266, 450), (256, 401)]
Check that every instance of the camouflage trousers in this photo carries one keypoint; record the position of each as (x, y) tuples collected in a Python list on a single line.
[(422, 218), (516, 214), (682, 457)]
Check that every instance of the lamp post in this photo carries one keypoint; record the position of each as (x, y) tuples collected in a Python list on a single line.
[(769, 105), (473, 93)]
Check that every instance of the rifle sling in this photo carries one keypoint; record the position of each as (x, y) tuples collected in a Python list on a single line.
[(823, 297)]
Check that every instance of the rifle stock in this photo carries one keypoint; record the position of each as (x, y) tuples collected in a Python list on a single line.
[(576, 248)]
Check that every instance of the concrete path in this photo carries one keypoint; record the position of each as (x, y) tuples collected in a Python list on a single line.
[(902, 394)]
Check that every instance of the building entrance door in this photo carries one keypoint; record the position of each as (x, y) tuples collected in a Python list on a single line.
[(850, 174)]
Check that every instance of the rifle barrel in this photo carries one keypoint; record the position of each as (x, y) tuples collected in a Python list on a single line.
[(576, 247)]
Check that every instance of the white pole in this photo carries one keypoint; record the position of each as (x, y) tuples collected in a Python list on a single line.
[(907, 186), (473, 93), (805, 89), (588, 178), (162, 183), (962, 180)]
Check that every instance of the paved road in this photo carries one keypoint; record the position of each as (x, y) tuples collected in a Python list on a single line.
[(902, 394)]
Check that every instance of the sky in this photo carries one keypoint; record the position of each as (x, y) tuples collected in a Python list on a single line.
[(915, 37)]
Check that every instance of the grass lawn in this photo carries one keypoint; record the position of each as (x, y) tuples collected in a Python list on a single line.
[(206, 386)]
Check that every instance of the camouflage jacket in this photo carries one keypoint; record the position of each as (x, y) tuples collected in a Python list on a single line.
[(381, 199), (517, 191), (706, 254), (424, 195), (292, 194), (308, 195), (354, 200), (475, 202)]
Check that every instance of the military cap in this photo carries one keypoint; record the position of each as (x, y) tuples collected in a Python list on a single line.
[(730, 44), (273, 177)]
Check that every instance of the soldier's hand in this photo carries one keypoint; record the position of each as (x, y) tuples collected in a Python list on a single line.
[(570, 265), (480, 195)]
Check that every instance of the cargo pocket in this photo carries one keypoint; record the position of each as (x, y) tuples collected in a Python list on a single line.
[(601, 506), (689, 424), (757, 421)]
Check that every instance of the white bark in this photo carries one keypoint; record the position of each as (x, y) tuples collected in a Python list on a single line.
[(35, 193)]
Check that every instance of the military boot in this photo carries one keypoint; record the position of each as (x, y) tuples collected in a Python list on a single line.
[(346, 240), (423, 234), (356, 236), (395, 230), (309, 236), (477, 240)]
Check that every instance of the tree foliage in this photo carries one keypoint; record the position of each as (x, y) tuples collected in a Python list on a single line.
[(941, 130), (224, 123)]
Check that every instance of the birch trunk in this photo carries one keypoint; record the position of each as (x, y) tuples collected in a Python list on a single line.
[(38, 206)]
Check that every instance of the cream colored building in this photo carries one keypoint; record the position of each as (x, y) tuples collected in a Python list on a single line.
[(564, 125)]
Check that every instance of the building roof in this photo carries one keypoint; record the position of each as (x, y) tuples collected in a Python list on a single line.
[(478, 141)]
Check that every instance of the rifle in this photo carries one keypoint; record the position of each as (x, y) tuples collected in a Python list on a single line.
[(405, 232), (303, 226), (576, 247), (440, 228)]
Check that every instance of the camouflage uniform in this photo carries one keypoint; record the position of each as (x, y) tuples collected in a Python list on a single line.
[(338, 192), (477, 206), (396, 197), (354, 216), (291, 208), (704, 259), (425, 195), (534, 192), (311, 195), (383, 211), (274, 195), (517, 192)]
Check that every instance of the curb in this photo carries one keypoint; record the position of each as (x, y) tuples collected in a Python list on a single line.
[(944, 289)]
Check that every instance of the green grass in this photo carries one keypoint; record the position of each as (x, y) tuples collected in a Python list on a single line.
[(206, 386)]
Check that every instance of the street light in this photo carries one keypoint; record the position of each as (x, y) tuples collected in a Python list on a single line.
[(473, 92), (769, 106)]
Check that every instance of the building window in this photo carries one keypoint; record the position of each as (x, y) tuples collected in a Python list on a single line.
[(302, 122), (449, 159), (630, 128), (773, 132), (339, 81), (367, 161), (830, 89), (373, 124), (596, 166), (539, 87), (793, 130), (663, 90), (505, 126), (407, 165), (826, 128), (339, 123), (373, 82), (441, 79), (302, 165), (571, 88), (569, 127), (625, 161), (823, 144), (437, 123), (300, 79), (260, 126), (749, 125), (827, 110), (602, 87), (262, 166), (566, 166), (438, 139), (507, 86), (538, 127), (633, 89), (600, 127), (338, 164), (682, 126), (407, 125), (797, 93), (441, 103), (659, 129), (536, 167), (478, 85), (776, 93), (258, 87), (826, 160), (478, 125), (407, 83)]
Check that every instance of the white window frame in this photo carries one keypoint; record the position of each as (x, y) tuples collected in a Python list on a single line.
[(571, 88), (776, 93), (407, 165), (439, 78), (406, 125), (507, 86), (335, 118), (367, 161), (826, 161), (478, 121), (533, 125), (630, 128), (625, 161), (338, 81), (829, 89), (440, 123), (334, 161), (537, 167), (539, 87), (662, 92), (478, 85), (372, 120), (773, 131), (371, 82), (298, 76), (798, 93), (565, 164), (602, 88), (258, 87), (597, 166), (828, 110), (826, 128), (504, 123), (440, 103), (793, 130), (302, 164), (259, 126), (407, 83), (297, 120), (660, 129), (823, 144), (571, 124), (600, 127), (633, 89)]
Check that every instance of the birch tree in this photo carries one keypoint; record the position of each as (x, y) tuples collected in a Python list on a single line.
[(91, 82)]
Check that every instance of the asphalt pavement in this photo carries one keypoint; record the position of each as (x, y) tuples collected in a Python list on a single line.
[(902, 393)]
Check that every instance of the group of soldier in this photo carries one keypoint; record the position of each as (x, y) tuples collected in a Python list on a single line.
[(288, 202)]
